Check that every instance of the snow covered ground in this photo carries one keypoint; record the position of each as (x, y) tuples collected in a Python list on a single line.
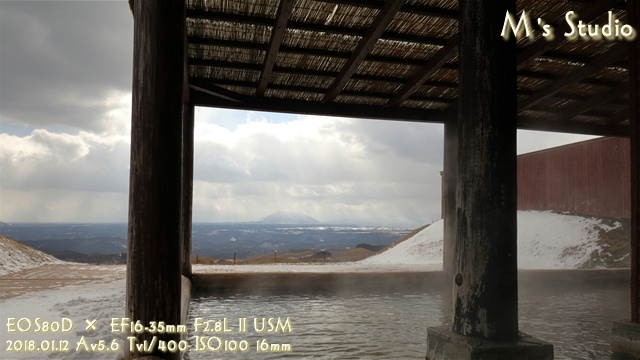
[(37, 313), (546, 240), (15, 256)]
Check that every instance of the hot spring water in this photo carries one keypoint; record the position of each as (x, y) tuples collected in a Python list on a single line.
[(387, 326)]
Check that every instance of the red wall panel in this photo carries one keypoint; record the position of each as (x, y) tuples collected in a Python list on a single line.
[(591, 177)]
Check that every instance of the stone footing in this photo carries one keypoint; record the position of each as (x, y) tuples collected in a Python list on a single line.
[(443, 344), (625, 339)]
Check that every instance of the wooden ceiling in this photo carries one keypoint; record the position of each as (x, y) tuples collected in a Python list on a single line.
[(398, 60)]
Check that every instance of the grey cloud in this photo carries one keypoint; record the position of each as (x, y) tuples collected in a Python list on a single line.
[(61, 60), (47, 160), (420, 142)]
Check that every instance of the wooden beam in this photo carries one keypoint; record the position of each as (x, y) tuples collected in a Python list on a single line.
[(614, 54), (449, 179), (593, 102), (331, 74), (218, 91), (325, 109), (616, 119), (364, 47), (572, 127), (277, 34), (588, 13), (385, 113), (211, 89), (434, 64), (554, 77), (186, 209)]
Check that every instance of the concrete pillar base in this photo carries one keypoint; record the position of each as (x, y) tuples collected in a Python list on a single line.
[(625, 339), (442, 344)]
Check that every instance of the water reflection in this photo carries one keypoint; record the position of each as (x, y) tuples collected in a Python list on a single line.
[(578, 323), (394, 326)]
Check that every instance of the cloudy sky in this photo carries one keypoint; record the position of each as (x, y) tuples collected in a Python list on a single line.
[(65, 98)]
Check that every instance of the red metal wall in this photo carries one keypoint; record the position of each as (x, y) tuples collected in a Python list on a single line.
[(590, 177)]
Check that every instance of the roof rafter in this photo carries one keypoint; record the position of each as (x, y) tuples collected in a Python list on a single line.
[(614, 54), (312, 72), (620, 6), (303, 50), (434, 64), (205, 98), (199, 98), (593, 102), (408, 8), (300, 25), (378, 58), (444, 84), (574, 127), (277, 34), (211, 89), (588, 13), (311, 89), (617, 118), (364, 47)]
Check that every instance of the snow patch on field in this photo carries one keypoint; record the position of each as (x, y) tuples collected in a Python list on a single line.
[(424, 247), (546, 240), (101, 301), (16, 256)]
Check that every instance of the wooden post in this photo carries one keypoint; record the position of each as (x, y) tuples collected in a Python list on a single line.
[(449, 192), (625, 336), (187, 187), (485, 290), (633, 18), (153, 262)]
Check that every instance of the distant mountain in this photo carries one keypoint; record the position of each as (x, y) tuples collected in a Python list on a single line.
[(289, 218)]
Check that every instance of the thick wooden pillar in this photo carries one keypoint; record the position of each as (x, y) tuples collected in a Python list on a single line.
[(153, 264), (449, 193), (187, 187), (485, 289), (625, 335), (633, 18)]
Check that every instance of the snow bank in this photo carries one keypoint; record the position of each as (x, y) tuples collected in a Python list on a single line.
[(15, 256), (546, 240), (424, 247), (100, 301)]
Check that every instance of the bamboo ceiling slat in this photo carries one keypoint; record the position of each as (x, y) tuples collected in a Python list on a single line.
[(229, 40)]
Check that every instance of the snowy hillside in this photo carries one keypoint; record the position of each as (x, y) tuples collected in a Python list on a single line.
[(15, 256), (546, 240)]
